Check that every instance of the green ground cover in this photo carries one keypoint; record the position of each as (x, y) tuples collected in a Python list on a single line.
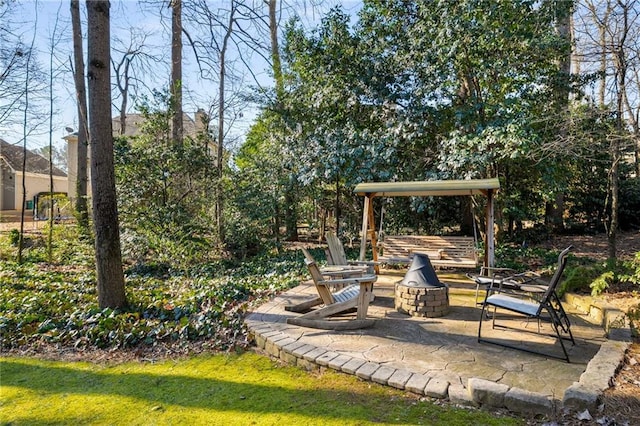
[(238, 389), (50, 304)]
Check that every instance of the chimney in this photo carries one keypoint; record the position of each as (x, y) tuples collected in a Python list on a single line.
[(201, 121)]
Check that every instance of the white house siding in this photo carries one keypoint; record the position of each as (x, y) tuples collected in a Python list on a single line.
[(7, 187), (37, 183)]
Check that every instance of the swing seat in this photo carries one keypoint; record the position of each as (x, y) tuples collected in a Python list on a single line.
[(443, 251)]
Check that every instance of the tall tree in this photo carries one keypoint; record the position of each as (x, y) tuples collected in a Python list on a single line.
[(52, 49), (556, 207), (110, 276), (83, 128), (133, 64), (619, 52), (610, 31), (24, 135), (176, 70), (290, 211), (213, 52), (222, 57)]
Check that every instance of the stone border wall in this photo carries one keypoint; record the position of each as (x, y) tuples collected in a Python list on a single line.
[(614, 321)]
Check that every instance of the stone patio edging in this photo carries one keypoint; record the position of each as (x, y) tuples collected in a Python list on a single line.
[(603, 367), (581, 395), (477, 392)]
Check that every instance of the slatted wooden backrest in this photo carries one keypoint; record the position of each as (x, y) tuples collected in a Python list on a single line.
[(447, 247), (316, 276), (336, 249)]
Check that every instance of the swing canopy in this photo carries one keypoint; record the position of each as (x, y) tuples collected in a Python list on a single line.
[(469, 187), (427, 188)]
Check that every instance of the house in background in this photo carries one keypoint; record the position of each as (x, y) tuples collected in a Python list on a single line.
[(191, 127), (36, 176)]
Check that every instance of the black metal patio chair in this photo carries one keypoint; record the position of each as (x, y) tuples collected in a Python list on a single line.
[(544, 308)]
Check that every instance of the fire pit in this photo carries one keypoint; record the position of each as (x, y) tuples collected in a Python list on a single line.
[(420, 293)]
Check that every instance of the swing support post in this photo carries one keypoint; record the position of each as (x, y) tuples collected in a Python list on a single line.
[(489, 235), (368, 222)]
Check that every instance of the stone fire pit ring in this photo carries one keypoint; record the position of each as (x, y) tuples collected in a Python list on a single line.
[(430, 302)]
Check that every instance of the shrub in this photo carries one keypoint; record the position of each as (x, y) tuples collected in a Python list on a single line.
[(634, 319), (630, 203), (14, 237), (578, 279), (164, 194), (633, 271), (522, 258)]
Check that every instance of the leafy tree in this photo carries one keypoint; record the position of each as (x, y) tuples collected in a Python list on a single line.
[(424, 90), (342, 134), (165, 199)]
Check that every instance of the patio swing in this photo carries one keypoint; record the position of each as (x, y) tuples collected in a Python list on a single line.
[(443, 251)]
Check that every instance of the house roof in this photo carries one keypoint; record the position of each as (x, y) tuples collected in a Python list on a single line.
[(135, 122), (36, 163), (425, 188)]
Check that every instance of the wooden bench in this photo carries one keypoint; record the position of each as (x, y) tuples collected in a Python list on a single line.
[(443, 251)]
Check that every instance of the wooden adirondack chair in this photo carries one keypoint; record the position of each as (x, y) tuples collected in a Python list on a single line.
[(337, 256), (355, 293), (331, 271)]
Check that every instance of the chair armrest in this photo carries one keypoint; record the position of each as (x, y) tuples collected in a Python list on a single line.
[(341, 271), (354, 280), (491, 271), (528, 281), (363, 262)]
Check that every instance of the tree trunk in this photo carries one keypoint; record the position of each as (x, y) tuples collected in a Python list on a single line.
[(563, 28), (24, 144), (621, 67), (51, 183), (111, 292), (603, 67), (275, 53), (176, 70), (124, 92), (290, 211), (291, 219), (221, 112), (83, 134), (337, 204), (276, 217), (633, 120)]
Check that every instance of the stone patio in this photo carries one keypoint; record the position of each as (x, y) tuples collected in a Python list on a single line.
[(442, 358)]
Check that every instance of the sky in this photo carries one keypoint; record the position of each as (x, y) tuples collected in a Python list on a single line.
[(50, 19)]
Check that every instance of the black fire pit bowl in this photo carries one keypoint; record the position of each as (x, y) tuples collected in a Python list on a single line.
[(421, 273)]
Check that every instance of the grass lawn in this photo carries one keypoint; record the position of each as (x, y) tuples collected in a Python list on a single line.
[(245, 389)]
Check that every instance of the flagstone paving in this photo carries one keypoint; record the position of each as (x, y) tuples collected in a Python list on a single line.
[(440, 357)]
